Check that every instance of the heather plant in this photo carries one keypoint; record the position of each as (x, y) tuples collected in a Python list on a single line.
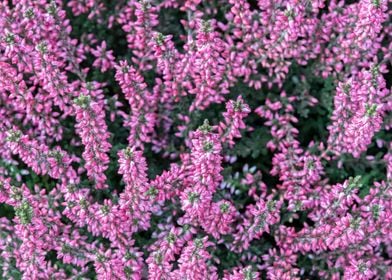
[(195, 139)]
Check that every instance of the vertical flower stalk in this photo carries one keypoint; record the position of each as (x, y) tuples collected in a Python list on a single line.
[(236, 111), (92, 129), (204, 173), (142, 102), (359, 111), (134, 202), (209, 66)]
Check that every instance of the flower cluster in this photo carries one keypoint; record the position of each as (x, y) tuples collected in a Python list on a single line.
[(233, 139)]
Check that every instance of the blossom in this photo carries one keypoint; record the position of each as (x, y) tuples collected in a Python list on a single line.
[(142, 104), (236, 112), (359, 111), (104, 59), (92, 129)]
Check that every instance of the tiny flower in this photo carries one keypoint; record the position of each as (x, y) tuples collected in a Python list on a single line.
[(24, 212), (42, 47), (13, 135), (83, 101), (9, 38), (29, 13)]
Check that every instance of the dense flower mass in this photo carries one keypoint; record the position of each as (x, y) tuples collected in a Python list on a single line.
[(197, 140)]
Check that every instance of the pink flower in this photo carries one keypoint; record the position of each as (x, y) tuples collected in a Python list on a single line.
[(236, 111), (104, 59), (92, 129), (142, 104), (359, 111)]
